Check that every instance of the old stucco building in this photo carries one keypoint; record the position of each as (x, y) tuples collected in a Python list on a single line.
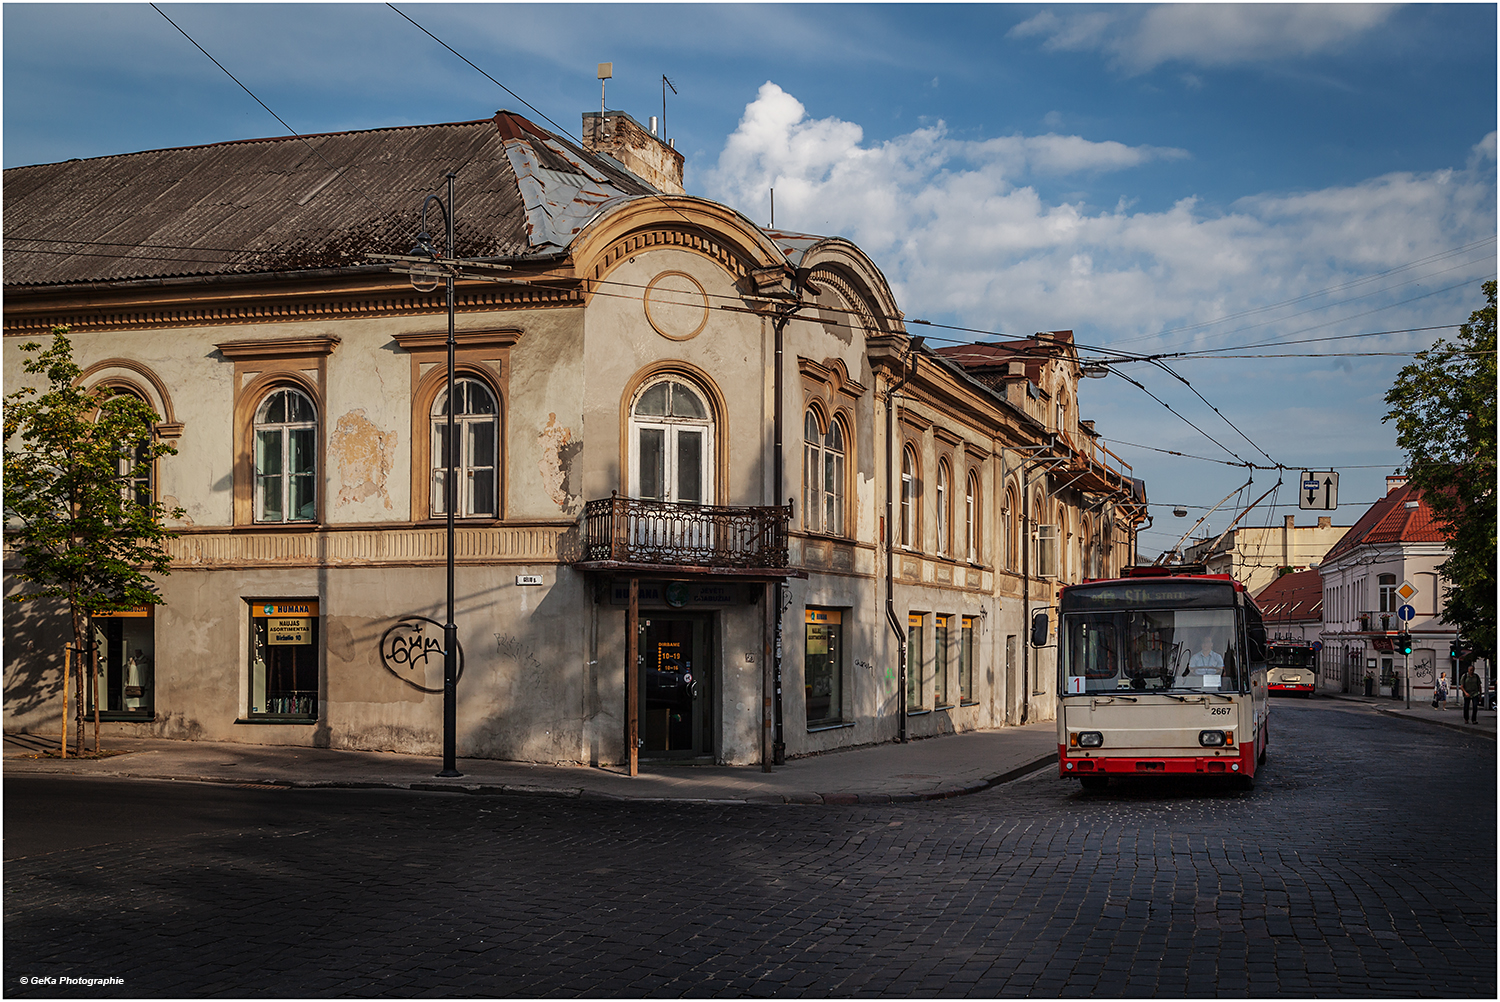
[(655, 390)]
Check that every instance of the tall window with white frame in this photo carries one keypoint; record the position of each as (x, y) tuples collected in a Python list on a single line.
[(672, 444), (136, 475), (1388, 600), (286, 457), (476, 426), (823, 476), (909, 486), (943, 497), (971, 517)]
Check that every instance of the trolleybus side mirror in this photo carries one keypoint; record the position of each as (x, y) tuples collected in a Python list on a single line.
[(1040, 627)]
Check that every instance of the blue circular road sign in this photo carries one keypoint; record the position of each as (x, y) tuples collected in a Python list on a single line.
[(1406, 613)]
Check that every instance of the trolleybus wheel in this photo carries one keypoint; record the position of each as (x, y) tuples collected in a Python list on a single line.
[(1093, 783), (1244, 782)]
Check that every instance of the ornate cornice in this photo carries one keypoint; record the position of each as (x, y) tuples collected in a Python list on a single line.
[(36, 311)]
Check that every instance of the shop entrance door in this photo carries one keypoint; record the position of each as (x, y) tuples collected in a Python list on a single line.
[(676, 680)]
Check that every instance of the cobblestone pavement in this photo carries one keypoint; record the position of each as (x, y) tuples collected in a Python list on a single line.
[(1339, 875)]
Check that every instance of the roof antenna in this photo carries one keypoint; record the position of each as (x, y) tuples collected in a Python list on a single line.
[(773, 209), (606, 71), (665, 83)]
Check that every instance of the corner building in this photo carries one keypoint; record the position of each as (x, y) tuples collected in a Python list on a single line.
[(678, 436)]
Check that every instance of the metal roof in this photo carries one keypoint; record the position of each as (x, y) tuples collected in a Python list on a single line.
[(295, 203)]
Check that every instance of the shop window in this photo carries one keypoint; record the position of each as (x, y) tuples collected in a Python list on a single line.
[(966, 660), (914, 664), (476, 426), (823, 476), (940, 690), (284, 661), (286, 458), (823, 666), (126, 646)]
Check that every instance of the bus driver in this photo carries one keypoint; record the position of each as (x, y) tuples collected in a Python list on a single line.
[(1207, 661)]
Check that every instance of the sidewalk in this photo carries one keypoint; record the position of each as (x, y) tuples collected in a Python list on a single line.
[(929, 769), (1452, 717)]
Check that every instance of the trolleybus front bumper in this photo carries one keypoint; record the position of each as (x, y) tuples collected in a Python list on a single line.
[(1074, 765)]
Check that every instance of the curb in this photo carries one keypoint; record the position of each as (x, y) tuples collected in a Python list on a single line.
[(1460, 727), (795, 798)]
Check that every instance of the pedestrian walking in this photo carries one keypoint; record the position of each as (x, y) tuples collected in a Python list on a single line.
[(1473, 689), (1440, 693)]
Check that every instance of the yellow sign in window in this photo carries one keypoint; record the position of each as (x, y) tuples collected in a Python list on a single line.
[(288, 630)]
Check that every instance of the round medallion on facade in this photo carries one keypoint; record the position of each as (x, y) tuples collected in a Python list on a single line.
[(676, 305)]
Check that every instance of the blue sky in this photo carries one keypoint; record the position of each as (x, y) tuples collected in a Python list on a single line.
[(1158, 179)]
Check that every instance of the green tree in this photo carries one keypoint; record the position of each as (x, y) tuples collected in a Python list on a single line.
[(1443, 404), (79, 526)]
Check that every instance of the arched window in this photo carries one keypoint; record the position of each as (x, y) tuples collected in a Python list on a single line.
[(137, 478), (823, 476), (1012, 529), (286, 458), (971, 517), (909, 494), (944, 499), (476, 426), (672, 444)]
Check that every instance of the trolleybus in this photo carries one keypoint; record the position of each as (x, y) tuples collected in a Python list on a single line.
[(1292, 666), (1160, 673)]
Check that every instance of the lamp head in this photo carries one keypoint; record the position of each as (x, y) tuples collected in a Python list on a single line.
[(424, 246)]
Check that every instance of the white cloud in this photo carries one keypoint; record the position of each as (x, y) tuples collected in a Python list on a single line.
[(961, 229), (1138, 39)]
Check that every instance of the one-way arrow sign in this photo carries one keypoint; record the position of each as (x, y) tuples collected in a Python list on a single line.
[(1320, 490)]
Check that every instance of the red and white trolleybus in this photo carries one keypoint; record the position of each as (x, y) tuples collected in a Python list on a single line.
[(1292, 666), (1160, 673)]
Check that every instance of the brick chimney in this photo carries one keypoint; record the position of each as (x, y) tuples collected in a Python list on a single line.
[(643, 154), (1395, 480)]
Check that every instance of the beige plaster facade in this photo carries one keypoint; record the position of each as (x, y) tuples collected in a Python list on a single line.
[(319, 630)]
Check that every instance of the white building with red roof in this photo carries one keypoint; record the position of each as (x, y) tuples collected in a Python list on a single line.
[(1386, 561)]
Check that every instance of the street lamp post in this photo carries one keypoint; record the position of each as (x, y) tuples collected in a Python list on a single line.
[(450, 631)]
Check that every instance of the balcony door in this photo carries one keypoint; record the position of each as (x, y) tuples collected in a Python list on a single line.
[(671, 461), (671, 445)]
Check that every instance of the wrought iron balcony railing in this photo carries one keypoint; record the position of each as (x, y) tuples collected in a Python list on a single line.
[(634, 531)]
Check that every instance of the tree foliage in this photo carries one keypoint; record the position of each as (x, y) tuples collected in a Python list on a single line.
[(80, 530), (1443, 404)]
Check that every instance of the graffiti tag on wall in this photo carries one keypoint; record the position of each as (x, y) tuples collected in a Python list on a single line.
[(412, 650)]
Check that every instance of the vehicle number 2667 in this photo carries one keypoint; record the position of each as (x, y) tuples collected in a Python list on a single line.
[(1219, 711)]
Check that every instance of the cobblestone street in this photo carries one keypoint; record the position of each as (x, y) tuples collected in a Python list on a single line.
[(1362, 865)]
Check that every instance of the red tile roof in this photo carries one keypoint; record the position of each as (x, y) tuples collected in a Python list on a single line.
[(1399, 517), (1296, 597)]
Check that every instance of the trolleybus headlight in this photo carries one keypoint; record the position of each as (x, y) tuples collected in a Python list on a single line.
[(1211, 739), (1090, 739)]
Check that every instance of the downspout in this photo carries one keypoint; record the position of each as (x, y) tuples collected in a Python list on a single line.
[(890, 546), (778, 740), (1026, 588)]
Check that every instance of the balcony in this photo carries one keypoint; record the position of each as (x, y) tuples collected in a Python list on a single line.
[(620, 533)]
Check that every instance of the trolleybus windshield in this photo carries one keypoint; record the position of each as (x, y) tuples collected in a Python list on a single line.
[(1161, 650)]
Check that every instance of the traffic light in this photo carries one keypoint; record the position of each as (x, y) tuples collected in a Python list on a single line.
[(1405, 643), (1453, 651)]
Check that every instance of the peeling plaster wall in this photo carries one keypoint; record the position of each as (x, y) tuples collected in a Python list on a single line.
[(545, 434), (368, 460)]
